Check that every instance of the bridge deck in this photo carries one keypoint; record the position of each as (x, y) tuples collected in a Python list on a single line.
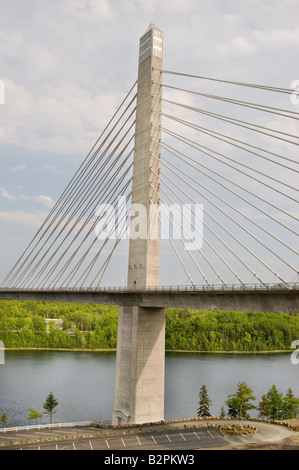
[(271, 298)]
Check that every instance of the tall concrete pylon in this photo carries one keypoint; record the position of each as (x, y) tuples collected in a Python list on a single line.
[(140, 358)]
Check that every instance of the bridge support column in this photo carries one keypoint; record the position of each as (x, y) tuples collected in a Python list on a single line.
[(139, 382)]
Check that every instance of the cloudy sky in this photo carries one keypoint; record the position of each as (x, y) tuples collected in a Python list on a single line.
[(67, 64)]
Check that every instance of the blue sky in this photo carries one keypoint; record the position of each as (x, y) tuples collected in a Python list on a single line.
[(67, 64)]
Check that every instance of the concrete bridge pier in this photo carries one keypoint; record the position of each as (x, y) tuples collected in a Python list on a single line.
[(140, 364)]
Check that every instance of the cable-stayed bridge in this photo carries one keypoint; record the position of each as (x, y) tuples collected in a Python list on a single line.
[(192, 181), (247, 231)]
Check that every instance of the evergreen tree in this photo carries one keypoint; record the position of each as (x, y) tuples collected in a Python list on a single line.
[(50, 404), (4, 419), (290, 405), (222, 412), (204, 402), (239, 403), (271, 403)]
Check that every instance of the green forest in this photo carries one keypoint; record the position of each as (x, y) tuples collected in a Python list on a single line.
[(28, 324)]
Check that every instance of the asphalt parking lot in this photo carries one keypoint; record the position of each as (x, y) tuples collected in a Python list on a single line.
[(170, 436), (88, 439)]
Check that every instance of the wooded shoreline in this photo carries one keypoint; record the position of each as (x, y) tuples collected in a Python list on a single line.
[(280, 351), (56, 326)]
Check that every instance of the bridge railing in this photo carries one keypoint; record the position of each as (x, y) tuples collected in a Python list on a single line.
[(170, 288)]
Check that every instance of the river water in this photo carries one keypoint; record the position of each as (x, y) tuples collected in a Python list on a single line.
[(83, 382)]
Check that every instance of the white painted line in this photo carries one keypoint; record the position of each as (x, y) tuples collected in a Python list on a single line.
[(196, 435), (107, 444), (182, 436), (123, 442), (154, 440), (210, 434), (223, 434), (168, 437), (27, 435), (57, 447), (74, 446), (90, 445), (138, 440), (60, 431)]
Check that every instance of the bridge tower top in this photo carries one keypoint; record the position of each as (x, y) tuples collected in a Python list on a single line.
[(143, 269)]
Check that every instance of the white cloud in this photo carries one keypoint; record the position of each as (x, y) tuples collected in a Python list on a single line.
[(6, 195), (46, 200), (49, 122), (18, 167), (52, 168), (233, 19), (103, 9), (279, 37), (40, 59), (236, 47), (159, 6), (32, 219)]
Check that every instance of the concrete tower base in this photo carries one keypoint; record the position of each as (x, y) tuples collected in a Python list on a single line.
[(140, 366)]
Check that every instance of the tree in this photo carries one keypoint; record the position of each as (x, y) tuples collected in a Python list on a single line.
[(4, 419), (50, 404), (34, 414), (290, 405), (204, 402), (239, 403), (271, 404)]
